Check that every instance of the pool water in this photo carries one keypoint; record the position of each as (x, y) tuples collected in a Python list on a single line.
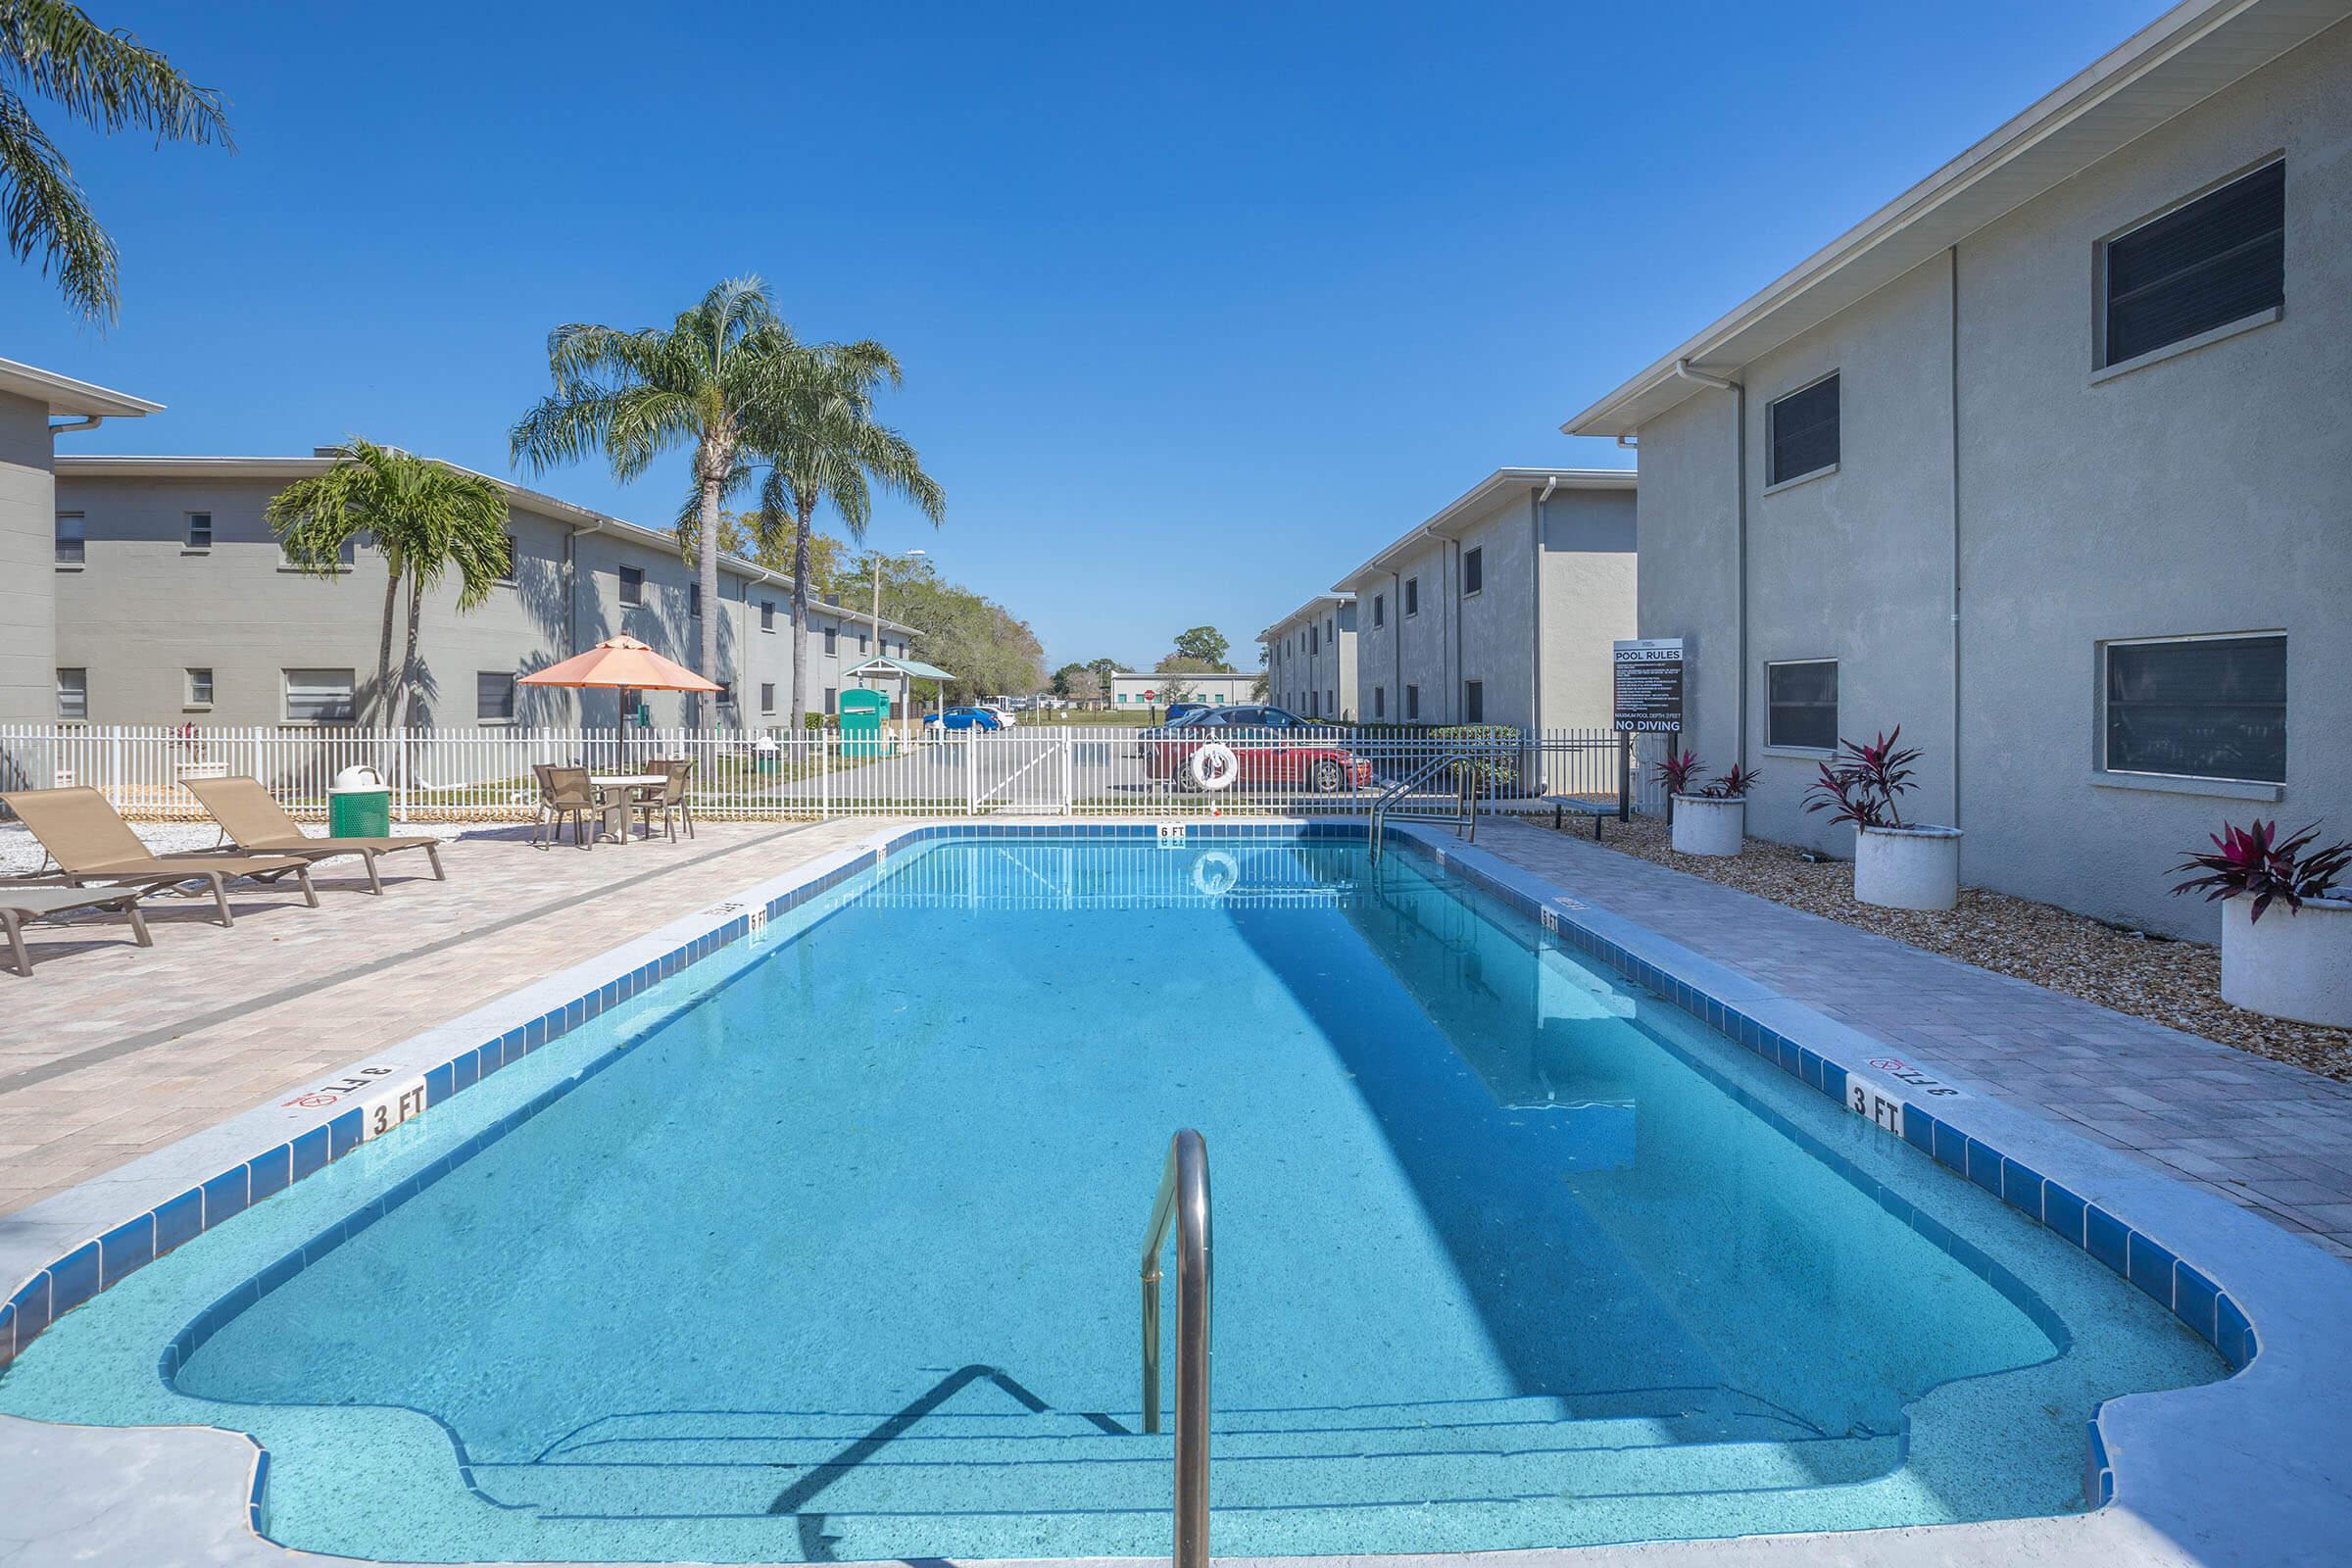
[(833, 1254)]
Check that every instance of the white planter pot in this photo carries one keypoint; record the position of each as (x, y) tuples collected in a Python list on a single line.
[(204, 770), (2291, 963), (1706, 825), (1907, 867)]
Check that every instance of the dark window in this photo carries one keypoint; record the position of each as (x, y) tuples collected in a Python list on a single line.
[(493, 695), (830, 696), (832, 640), (2201, 707), (1315, 640), (2220, 259), (1412, 702), (1803, 431), (200, 530), (74, 694), (319, 697), (1474, 571), (1474, 700), (1380, 702), (768, 614), (632, 587), (694, 603), (1800, 705), (1412, 596), (1380, 610), (768, 697), (71, 537)]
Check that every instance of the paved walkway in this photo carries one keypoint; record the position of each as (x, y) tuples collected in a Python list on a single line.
[(2272, 1138), (110, 1051)]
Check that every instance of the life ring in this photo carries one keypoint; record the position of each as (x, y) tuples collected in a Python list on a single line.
[(1214, 874), (1214, 767)]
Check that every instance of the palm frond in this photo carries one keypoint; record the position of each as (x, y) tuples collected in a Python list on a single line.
[(42, 208), (104, 78)]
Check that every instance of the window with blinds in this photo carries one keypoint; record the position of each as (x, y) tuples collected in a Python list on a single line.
[(2197, 707), (2205, 265), (1802, 430)]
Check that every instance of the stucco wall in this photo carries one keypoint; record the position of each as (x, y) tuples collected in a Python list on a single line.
[(27, 547), (1497, 631), (2210, 492), (1314, 675), (145, 609), (2207, 491), (1590, 571)]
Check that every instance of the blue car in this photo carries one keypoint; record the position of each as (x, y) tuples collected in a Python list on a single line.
[(963, 718)]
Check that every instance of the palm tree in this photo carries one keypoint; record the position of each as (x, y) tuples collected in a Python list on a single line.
[(820, 444), (699, 382), (425, 518), (108, 81)]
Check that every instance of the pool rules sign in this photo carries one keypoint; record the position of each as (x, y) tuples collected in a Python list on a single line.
[(1650, 686)]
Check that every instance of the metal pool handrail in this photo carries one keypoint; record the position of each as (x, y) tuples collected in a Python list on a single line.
[(1183, 1201), (1464, 816)]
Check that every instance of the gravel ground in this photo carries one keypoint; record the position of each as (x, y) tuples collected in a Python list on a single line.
[(20, 856), (2171, 982)]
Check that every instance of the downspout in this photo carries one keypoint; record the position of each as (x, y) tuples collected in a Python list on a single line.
[(70, 426), (1738, 391), (1537, 518), (1952, 295), (571, 608)]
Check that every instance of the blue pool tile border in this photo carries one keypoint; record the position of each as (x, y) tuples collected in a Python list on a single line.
[(2181, 1290), (1723, 1000)]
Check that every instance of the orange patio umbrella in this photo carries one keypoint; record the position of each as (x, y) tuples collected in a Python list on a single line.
[(623, 665)]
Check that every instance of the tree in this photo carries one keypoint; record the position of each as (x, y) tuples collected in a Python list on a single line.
[(109, 81), (827, 553), (425, 518), (1182, 665), (1079, 682), (1175, 689), (1103, 669), (701, 383), (1205, 644), (821, 445)]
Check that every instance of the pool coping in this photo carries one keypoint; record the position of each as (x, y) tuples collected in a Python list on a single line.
[(2243, 1470)]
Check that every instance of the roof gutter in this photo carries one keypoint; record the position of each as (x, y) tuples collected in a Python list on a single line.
[(90, 423)]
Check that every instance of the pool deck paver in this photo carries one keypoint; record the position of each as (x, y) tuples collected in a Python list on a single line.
[(2267, 1135), (109, 1051)]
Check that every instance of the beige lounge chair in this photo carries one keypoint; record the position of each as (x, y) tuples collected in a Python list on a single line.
[(257, 825), (90, 842), (20, 904)]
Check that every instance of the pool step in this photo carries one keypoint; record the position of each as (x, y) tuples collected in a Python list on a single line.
[(1052, 1472)]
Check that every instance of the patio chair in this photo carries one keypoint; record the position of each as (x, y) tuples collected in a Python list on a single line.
[(90, 842), (256, 824), (20, 904), (564, 792), (667, 798)]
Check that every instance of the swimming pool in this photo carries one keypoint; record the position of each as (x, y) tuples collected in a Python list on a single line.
[(823, 1249)]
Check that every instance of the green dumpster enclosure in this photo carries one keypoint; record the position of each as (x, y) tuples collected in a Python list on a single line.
[(358, 805), (863, 714)]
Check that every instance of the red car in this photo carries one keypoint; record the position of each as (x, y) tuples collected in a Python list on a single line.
[(1246, 748)]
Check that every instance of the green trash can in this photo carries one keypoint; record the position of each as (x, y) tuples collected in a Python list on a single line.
[(358, 805)]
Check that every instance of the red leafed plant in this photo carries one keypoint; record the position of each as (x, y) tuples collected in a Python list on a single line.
[(1732, 786), (1678, 771), (2254, 862), (1861, 783)]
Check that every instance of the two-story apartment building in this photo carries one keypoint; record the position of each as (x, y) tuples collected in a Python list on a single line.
[(1311, 660), (1501, 608), (36, 407), (2046, 461), (175, 604)]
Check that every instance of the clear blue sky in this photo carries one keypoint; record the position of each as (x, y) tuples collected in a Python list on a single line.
[(1198, 306)]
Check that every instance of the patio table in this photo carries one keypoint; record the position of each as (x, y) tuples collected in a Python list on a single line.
[(613, 792)]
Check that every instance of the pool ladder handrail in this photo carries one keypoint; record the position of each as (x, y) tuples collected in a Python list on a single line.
[(1464, 815), (1182, 1203)]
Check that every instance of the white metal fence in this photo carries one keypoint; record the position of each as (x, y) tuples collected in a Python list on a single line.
[(1081, 771)]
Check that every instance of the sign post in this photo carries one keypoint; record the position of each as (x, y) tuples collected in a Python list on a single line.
[(1648, 691)]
